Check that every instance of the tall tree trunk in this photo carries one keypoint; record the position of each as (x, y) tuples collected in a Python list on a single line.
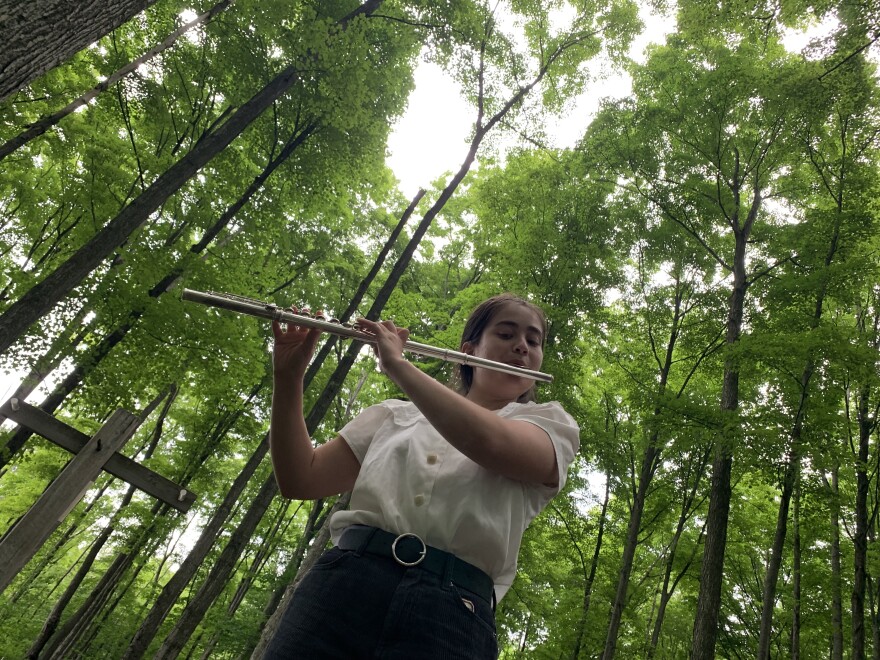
[(60, 348), (219, 574), (792, 468), (860, 538), (41, 34), (42, 297), (712, 570), (650, 459), (836, 573), (795, 648), (315, 550), (43, 124)]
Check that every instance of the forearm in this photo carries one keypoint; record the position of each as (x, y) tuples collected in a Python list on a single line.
[(290, 446), (515, 449)]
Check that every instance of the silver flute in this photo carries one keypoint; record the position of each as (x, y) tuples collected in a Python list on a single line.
[(251, 307)]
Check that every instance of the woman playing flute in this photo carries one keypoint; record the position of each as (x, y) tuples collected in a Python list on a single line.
[(443, 488)]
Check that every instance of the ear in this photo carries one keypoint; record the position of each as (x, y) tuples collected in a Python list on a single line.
[(467, 347)]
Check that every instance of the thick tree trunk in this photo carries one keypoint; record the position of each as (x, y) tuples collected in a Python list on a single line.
[(41, 34), (42, 297)]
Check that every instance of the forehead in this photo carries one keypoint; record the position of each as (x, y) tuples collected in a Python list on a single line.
[(519, 316)]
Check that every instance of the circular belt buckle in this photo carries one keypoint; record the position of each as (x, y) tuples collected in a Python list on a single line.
[(400, 561)]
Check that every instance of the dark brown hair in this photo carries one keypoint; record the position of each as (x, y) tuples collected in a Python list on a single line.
[(463, 376)]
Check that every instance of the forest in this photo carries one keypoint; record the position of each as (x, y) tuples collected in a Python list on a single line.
[(707, 254)]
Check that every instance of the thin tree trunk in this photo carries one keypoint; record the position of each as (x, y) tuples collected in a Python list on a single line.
[(215, 582), (42, 297), (860, 538), (594, 565), (688, 506), (650, 459), (43, 124), (836, 573), (41, 34), (174, 587), (61, 348), (315, 550), (795, 648), (793, 466)]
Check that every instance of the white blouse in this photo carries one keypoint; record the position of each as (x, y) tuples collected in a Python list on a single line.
[(412, 480)]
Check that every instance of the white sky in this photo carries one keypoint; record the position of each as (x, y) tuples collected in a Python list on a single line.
[(432, 136)]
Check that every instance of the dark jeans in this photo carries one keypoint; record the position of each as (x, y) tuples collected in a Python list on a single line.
[(352, 605)]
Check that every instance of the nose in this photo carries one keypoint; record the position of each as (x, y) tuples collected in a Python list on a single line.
[(521, 346)]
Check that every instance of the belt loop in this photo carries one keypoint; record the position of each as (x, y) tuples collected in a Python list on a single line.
[(362, 548), (448, 570)]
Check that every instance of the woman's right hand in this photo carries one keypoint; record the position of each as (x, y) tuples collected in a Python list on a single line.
[(293, 348)]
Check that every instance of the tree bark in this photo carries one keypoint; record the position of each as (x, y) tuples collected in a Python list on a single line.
[(41, 34)]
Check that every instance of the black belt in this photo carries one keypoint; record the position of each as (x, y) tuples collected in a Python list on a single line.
[(409, 550)]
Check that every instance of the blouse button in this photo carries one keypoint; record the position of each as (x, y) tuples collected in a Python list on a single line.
[(419, 500), (432, 459)]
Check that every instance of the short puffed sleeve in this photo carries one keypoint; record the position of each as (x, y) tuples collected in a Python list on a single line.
[(562, 429), (360, 431)]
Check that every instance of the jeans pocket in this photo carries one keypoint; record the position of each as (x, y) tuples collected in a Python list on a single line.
[(332, 557), (474, 607)]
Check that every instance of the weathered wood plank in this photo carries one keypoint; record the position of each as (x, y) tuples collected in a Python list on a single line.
[(118, 465), (31, 531)]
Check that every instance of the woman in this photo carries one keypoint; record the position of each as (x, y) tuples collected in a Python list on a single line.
[(443, 487)]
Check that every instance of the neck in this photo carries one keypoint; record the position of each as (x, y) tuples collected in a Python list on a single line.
[(487, 401)]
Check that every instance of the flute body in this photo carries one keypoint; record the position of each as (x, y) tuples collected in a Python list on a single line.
[(251, 307)]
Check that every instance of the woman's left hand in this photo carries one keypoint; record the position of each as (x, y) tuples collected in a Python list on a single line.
[(389, 341)]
